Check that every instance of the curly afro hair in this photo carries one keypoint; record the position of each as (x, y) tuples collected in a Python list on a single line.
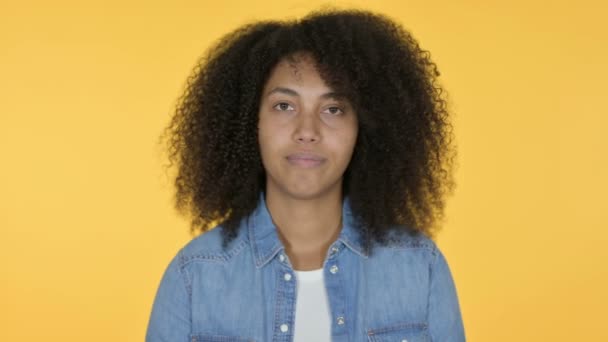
[(401, 168)]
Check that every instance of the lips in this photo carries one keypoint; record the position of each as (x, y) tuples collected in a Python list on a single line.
[(305, 159)]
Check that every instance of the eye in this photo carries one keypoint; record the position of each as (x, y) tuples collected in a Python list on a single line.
[(283, 106), (334, 110)]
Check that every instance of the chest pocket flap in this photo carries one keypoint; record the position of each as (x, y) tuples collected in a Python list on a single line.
[(404, 332)]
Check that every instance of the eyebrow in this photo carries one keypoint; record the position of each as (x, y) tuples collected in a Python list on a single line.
[(291, 92)]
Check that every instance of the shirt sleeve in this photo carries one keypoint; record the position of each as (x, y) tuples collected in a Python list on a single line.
[(445, 320), (170, 320)]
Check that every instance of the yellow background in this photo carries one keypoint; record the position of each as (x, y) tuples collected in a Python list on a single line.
[(87, 224)]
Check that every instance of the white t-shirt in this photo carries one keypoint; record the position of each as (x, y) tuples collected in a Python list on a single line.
[(313, 318)]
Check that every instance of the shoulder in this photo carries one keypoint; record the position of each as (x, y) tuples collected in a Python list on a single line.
[(208, 248), (402, 245), (410, 250), (404, 239)]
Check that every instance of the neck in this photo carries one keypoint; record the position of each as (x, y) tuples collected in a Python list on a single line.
[(307, 227)]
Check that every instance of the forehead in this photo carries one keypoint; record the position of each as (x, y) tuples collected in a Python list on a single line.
[(296, 68)]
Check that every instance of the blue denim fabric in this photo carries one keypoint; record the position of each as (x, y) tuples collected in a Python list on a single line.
[(401, 292)]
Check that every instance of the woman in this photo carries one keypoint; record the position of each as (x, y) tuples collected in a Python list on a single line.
[(320, 149)]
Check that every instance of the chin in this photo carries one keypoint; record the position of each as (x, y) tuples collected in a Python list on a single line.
[(303, 188), (303, 192)]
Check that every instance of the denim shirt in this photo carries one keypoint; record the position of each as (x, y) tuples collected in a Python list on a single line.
[(403, 291)]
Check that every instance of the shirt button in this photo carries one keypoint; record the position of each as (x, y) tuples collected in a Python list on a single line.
[(281, 257), (284, 328), (334, 250), (404, 340), (287, 276), (340, 320), (333, 269)]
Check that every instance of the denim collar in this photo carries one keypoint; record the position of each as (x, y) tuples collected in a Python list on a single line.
[(265, 240)]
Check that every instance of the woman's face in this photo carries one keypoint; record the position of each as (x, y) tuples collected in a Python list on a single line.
[(307, 133)]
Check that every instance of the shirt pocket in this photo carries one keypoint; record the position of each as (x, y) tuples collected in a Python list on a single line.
[(219, 338), (401, 332)]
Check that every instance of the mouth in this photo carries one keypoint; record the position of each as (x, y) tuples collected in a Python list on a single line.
[(305, 160)]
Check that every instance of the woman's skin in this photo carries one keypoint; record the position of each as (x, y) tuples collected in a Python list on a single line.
[(306, 138)]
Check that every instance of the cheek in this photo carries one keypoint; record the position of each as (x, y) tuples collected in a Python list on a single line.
[(350, 138), (349, 147), (265, 146), (343, 147), (264, 138), (269, 143)]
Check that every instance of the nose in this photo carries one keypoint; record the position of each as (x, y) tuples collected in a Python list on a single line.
[(307, 128)]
